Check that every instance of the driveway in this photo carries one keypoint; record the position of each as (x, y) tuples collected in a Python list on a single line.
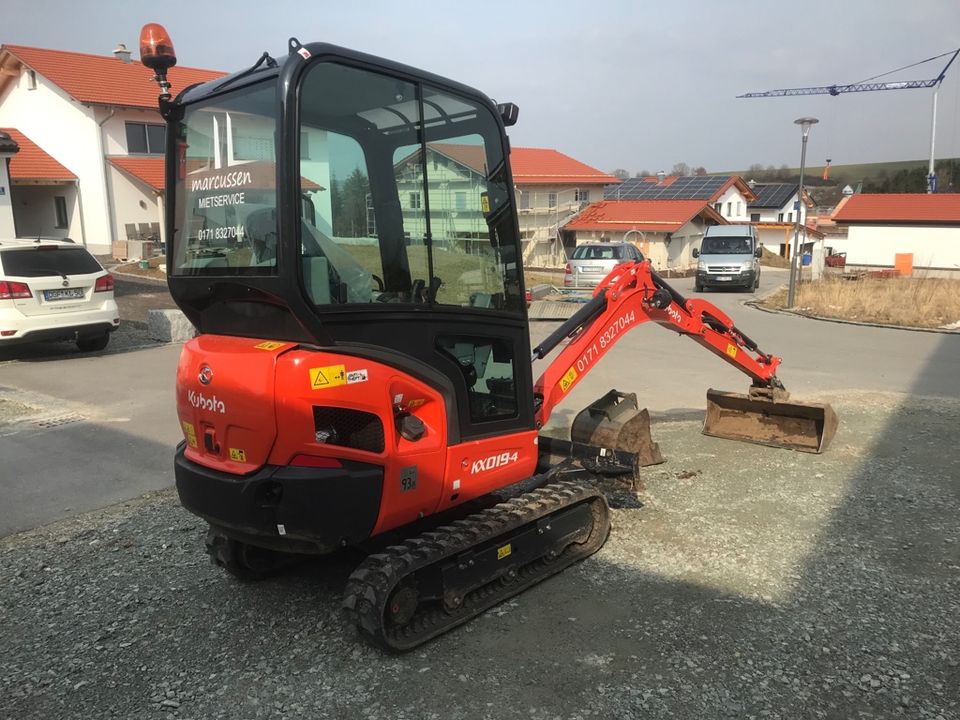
[(79, 431)]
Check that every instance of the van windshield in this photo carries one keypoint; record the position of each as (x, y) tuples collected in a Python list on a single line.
[(725, 246)]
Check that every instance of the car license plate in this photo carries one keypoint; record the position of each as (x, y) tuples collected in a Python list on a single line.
[(591, 268), (724, 278), (63, 294)]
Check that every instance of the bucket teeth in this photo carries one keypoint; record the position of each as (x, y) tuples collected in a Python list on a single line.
[(808, 427)]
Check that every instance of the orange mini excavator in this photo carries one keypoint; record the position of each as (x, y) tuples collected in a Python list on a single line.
[(342, 231)]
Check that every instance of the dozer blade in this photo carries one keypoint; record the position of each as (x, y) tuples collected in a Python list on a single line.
[(616, 422), (774, 421)]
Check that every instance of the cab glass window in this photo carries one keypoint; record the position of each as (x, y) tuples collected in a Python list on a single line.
[(405, 198), (226, 196)]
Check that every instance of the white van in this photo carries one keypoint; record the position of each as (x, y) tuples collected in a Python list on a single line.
[(729, 256)]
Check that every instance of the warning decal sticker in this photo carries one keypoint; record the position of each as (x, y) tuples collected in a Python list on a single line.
[(269, 345), (732, 350), (322, 378), (567, 380), (356, 376), (190, 434)]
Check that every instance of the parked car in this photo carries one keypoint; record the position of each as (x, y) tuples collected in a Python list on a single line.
[(592, 262), (54, 290), (729, 256)]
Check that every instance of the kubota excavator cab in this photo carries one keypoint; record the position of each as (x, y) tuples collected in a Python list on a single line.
[(343, 237)]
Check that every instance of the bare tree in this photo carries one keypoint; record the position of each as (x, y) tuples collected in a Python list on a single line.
[(620, 173), (700, 170), (643, 174), (681, 168)]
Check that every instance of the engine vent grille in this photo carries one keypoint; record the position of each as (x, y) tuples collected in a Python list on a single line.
[(348, 428)]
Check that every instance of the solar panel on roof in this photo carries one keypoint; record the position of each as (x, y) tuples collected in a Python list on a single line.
[(683, 188), (775, 195)]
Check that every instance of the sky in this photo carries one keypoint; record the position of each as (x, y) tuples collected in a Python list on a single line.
[(634, 84)]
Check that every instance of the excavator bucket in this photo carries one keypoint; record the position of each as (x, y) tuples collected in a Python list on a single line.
[(616, 422), (769, 418)]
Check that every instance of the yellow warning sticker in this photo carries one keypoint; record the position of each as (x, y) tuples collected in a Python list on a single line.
[(504, 551), (322, 378), (567, 380), (485, 202), (238, 455), (190, 434), (269, 345), (732, 350)]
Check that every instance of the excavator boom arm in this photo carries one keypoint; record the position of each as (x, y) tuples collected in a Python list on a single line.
[(631, 295)]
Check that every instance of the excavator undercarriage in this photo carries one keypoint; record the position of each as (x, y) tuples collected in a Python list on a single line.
[(416, 590)]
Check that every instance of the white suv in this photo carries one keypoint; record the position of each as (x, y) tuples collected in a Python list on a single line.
[(54, 290)]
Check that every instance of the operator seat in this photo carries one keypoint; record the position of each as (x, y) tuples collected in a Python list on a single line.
[(260, 228)]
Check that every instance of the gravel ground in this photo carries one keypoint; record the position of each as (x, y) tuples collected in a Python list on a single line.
[(746, 583)]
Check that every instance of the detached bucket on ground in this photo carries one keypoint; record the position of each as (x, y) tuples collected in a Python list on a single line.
[(774, 421), (616, 421)]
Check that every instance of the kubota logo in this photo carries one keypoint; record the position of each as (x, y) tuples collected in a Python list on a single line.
[(492, 462), (202, 402)]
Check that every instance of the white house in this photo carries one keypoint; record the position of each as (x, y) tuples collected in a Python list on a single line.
[(665, 231), (96, 118), (882, 226), (8, 148), (773, 212), (551, 188), (664, 216)]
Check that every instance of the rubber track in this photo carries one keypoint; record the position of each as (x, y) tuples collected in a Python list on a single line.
[(371, 584)]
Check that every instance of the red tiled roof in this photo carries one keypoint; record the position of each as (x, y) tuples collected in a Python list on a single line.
[(543, 166), (104, 80), (146, 169), (900, 208), (32, 163), (531, 166), (471, 156), (644, 215)]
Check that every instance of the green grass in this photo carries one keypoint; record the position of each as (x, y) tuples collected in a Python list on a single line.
[(847, 174)]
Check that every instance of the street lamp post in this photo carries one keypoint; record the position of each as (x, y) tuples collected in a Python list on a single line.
[(805, 124)]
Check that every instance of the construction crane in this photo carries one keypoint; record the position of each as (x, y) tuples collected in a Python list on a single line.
[(869, 85)]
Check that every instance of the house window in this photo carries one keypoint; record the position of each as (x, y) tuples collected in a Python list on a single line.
[(729, 209), (461, 200), (581, 196), (739, 207), (551, 200), (780, 217), (145, 139), (754, 217), (415, 201), (524, 201), (790, 217), (304, 146), (718, 207), (60, 205), (31, 80)]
